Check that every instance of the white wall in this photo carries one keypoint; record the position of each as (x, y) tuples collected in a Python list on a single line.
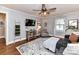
[(15, 16), (50, 24), (68, 16), (72, 15)]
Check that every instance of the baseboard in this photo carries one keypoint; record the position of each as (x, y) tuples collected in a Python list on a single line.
[(15, 41)]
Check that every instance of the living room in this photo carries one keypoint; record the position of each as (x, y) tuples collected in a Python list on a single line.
[(23, 23)]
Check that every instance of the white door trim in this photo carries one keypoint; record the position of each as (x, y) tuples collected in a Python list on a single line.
[(6, 26)]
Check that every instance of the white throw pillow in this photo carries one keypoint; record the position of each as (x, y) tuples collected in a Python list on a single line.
[(51, 43), (72, 49)]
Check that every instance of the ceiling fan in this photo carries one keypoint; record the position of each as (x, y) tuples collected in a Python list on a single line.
[(44, 11)]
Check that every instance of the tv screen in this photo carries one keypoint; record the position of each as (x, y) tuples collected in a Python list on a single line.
[(30, 22)]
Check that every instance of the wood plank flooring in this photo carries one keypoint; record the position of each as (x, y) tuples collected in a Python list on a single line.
[(10, 49)]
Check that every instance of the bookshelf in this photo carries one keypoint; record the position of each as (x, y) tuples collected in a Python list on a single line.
[(17, 29)]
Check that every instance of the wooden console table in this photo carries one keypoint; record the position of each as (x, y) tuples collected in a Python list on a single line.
[(31, 35)]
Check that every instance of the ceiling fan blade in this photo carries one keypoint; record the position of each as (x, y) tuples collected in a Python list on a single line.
[(36, 10), (52, 9)]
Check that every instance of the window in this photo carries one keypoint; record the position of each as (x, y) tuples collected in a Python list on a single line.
[(59, 27), (60, 24)]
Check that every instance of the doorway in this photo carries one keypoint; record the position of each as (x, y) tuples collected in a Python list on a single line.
[(2, 28)]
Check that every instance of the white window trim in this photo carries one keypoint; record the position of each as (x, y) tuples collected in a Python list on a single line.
[(60, 24)]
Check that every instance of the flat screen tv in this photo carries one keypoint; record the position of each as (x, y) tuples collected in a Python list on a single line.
[(30, 22)]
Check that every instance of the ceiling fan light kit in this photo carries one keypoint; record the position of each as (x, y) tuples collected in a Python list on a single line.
[(44, 11)]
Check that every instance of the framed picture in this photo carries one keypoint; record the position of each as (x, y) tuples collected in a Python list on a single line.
[(73, 24)]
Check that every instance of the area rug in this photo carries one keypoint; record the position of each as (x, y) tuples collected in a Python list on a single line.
[(34, 47)]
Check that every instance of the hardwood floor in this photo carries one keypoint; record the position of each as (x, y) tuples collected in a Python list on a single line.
[(10, 49)]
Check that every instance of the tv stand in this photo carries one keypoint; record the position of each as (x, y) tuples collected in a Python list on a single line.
[(31, 34)]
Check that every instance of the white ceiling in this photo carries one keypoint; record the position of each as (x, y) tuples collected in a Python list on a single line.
[(28, 8)]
